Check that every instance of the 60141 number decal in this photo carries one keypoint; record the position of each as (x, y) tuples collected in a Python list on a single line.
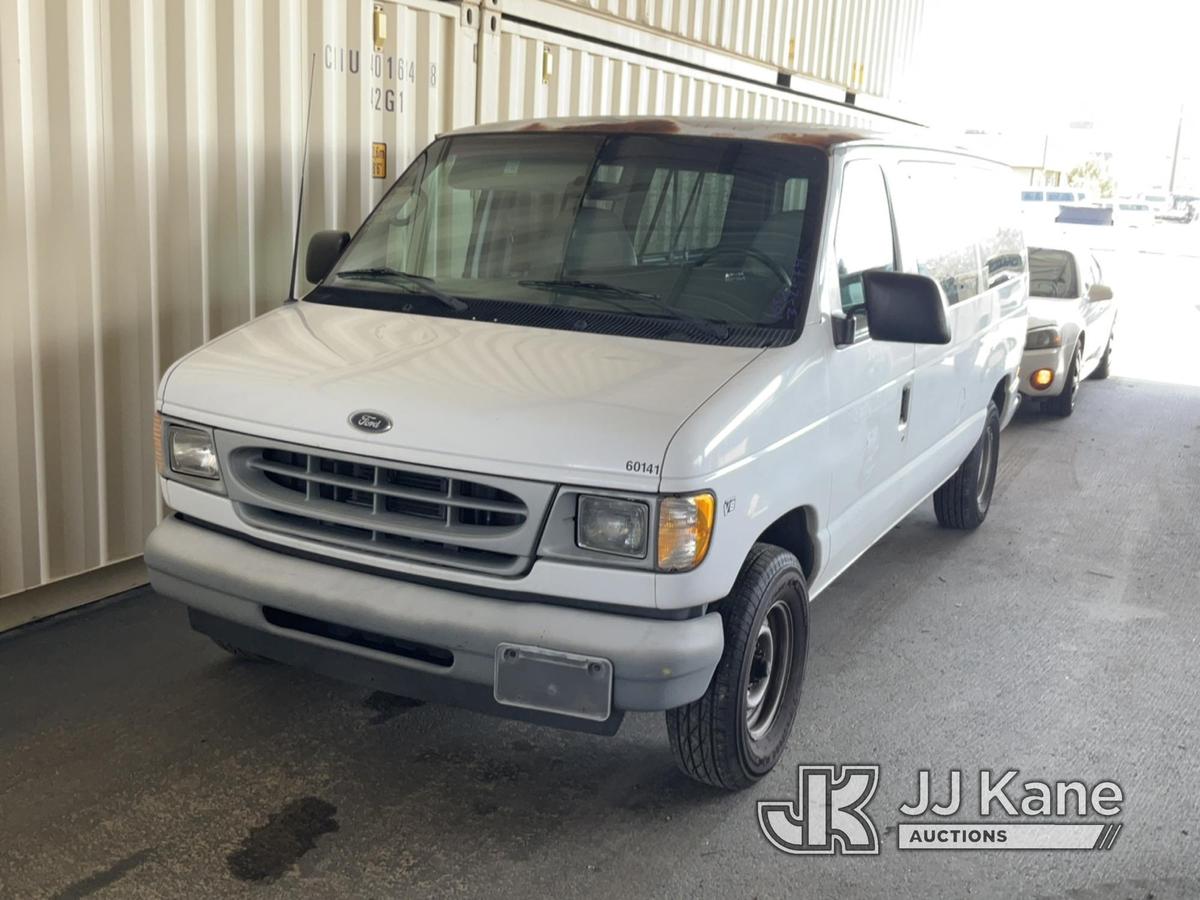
[(642, 468)]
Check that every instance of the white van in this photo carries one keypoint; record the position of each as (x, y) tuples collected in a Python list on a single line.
[(588, 410)]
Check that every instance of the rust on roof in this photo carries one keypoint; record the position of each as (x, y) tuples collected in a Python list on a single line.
[(819, 136), (825, 139), (603, 126)]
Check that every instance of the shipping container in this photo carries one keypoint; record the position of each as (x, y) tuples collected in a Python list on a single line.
[(861, 46), (150, 160), (539, 73), (149, 167)]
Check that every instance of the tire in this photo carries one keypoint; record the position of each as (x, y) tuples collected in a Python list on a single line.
[(241, 654), (963, 501), (1064, 404), (734, 734), (1103, 369)]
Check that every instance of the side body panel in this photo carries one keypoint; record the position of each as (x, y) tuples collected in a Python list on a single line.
[(818, 427), (1098, 315), (953, 383), (870, 385), (763, 445)]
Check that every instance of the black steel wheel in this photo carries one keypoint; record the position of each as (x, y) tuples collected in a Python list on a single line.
[(734, 734), (964, 500)]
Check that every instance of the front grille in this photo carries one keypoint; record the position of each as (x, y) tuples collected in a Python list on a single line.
[(431, 516)]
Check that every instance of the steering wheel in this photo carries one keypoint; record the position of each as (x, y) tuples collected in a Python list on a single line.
[(775, 268)]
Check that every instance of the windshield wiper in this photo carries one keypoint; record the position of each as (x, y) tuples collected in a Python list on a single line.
[(607, 291), (418, 283)]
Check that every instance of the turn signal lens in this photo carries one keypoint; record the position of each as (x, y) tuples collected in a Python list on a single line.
[(1042, 378), (160, 464), (684, 531)]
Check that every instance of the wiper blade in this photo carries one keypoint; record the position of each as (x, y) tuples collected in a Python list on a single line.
[(419, 283), (609, 291)]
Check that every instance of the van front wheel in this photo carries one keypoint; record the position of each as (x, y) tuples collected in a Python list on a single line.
[(734, 734), (964, 500)]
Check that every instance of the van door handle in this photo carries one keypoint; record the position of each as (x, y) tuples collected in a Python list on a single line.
[(905, 396)]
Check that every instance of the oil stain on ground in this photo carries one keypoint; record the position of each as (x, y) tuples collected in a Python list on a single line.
[(270, 850)]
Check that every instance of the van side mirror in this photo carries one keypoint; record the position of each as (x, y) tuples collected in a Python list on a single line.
[(904, 308), (1099, 292), (324, 250)]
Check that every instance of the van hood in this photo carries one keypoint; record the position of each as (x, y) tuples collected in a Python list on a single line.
[(526, 402)]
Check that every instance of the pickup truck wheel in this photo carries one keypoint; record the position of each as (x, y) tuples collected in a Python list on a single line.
[(1064, 404), (964, 500), (240, 653), (734, 734)]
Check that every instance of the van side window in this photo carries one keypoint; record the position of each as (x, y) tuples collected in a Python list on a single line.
[(942, 220), (864, 239), (1001, 240)]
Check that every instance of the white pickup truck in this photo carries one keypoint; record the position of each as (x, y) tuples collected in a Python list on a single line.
[(588, 411)]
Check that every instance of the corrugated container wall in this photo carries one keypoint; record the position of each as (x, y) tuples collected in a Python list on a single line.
[(150, 156), (150, 160), (863, 46), (545, 73)]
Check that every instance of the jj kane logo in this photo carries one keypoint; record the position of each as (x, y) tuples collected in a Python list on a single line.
[(374, 422), (830, 814)]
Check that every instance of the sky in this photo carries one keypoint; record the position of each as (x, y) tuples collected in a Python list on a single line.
[(1040, 65)]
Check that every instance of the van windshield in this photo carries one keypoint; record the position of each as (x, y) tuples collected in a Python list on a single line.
[(668, 237)]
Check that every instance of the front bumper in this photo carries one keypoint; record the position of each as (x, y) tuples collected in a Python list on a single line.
[(232, 585), (1051, 358)]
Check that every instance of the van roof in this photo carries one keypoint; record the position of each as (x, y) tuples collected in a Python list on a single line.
[(825, 137)]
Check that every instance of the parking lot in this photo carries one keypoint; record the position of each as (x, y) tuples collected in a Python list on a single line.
[(1060, 639)]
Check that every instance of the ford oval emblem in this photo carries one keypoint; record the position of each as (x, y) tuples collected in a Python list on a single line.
[(374, 422)]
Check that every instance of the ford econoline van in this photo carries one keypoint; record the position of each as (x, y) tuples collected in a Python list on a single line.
[(588, 411)]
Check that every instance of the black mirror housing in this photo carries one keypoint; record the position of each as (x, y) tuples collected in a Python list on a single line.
[(324, 250), (905, 308)]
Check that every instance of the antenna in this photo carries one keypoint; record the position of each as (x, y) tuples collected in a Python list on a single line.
[(291, 297)]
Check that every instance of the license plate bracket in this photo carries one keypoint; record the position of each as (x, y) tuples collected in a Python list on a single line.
[(569, 684)]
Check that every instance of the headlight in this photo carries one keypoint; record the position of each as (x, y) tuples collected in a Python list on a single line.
[(190, 451), (612, 525), (1043, 339), (684, 531)]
